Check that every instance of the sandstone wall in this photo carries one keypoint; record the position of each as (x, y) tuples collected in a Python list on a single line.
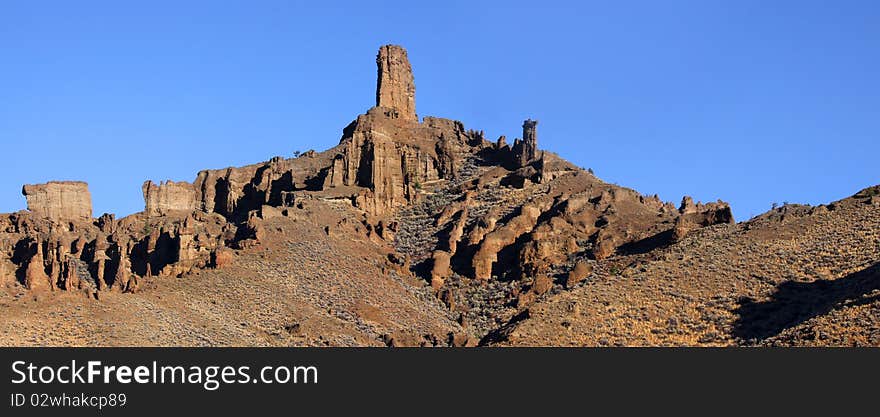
[(59, 200), (233, 192), (169, 196), (391, 158)]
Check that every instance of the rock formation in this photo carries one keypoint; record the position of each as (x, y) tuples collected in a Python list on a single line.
[(487, 254), (36, 278), (406, 222), (580, 272), (395, 87), (512, 212), (390, 159), (525, 150), (696, 215), (59, 200), (168, 196)]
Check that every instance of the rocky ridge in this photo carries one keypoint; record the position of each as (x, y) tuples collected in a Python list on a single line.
[(476, 239)]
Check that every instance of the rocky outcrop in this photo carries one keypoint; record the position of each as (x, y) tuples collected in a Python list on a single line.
[(390, 159), (697, 215), (7, 272), (522, 157), (395, 88), (35, 278), (381, 163), (168, 197), (580, 272), (495, 241), (441, 268), (494, 209), (525, 150), (570, 215), (62, 201), (235, 192)]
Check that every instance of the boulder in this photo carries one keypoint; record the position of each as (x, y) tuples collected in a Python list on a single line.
[(440, 269), (223, 257), (543, 283), (580, 272)]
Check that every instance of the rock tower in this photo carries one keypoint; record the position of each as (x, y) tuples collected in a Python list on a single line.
[(526, 150), (395, 87)]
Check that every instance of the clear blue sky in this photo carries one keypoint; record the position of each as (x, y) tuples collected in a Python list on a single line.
[(750, 101)]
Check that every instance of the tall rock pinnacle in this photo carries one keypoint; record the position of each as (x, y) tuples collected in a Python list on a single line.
[(525, 150), (530, 139), (395, 87)]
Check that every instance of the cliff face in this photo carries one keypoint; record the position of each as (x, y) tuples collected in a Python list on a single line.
[(391, 159), (59, 200), (235, 192), (168, 197)]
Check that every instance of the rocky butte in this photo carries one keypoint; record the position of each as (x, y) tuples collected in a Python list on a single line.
[(402, 206), (59, 200)]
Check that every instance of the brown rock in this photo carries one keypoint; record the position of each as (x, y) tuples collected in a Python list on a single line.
[(605, 248), (448, 298), (36, 278), (525, 299), (542, 284), (168, 196), (122, 280), (526, 150), (687, 205), (696, 215), (235, 192), (6, 275), (440, 269), (681, 229), (395, 87), (580, 272), (100, 281), (223, 257), (59, 200), (384, 162), (494, 242), (458, 339), (71, 277)]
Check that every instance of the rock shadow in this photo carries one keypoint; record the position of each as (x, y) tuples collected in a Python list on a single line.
[(796, 302), (648, 244)]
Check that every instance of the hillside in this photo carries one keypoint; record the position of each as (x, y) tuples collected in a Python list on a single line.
[(420, 232)]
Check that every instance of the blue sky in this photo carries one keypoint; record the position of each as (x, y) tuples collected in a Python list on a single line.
[(753, 102)]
